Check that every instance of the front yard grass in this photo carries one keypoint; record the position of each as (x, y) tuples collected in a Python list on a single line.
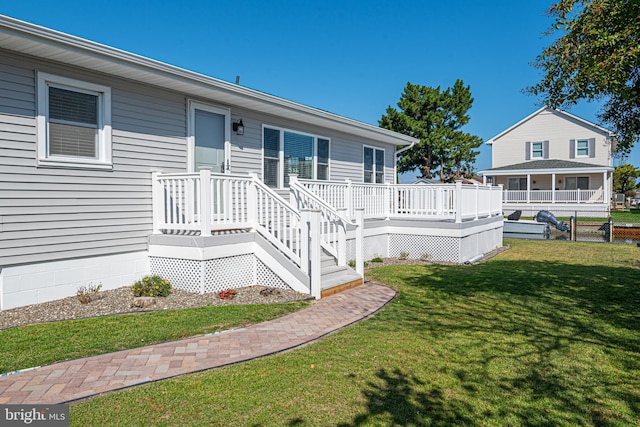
[(36, 345), (547, 333)]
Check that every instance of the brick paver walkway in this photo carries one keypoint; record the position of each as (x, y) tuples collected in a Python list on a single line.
[(81, 378)]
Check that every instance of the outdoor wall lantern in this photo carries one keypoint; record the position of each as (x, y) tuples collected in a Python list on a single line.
[(238, 127), (559, 181)]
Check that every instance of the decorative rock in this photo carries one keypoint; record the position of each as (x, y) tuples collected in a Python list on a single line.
[(143, 302)]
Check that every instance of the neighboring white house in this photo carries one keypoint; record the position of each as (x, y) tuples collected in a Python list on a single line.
[(553, 160), (113, 165)]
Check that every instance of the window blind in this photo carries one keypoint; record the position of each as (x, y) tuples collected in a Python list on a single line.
[(271, 148), (73, 123)]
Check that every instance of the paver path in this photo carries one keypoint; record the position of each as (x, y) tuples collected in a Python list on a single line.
[(81, 378)]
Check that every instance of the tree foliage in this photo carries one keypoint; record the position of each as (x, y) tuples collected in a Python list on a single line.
[(595, 57), (624, 179), (436, 118)]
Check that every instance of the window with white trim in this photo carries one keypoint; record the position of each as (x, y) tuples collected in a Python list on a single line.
[(287, 152), (373, 163), (537, 150), (74, 122), (582, 148), (576, 182)]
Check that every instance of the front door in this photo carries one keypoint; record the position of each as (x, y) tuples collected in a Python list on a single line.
[(210, 137)]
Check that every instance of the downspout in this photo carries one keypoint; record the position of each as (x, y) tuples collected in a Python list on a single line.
[(395, 165)]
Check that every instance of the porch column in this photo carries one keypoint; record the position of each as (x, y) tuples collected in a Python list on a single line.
[(157, 197), (348, 200), (387, 201), (314, 254), (359, 243), (342, 240), (205, 201), (605, 188), (484, 179), (553, 188), (252, 201), (528, 188), (459, 201), (305, 221)]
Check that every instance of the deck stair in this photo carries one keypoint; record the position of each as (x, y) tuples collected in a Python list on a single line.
[(335, 278)]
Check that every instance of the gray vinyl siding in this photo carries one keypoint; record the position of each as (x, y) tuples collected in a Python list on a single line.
[(51, 214)]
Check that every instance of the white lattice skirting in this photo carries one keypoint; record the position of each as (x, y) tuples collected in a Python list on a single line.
[(227, 261), (216, 275), (439, 242)]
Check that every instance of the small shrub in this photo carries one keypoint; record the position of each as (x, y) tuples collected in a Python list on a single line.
[(86, 293), (404, 255), (352, 263), (227, 294), (376, 259), (151, 286), (366, 264), (425, 257)]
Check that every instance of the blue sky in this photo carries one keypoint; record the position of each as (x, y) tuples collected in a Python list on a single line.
[(349, 57)]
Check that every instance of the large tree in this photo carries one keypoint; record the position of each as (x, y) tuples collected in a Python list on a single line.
[(595, 57), (436, 118), (624, 179)]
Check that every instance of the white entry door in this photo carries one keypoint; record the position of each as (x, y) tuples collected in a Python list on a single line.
[(209, 135)]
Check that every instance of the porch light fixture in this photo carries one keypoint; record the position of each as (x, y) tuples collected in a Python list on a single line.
[(238, 127)]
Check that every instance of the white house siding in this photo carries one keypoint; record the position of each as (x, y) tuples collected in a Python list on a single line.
[(550, 126), (49, 214)]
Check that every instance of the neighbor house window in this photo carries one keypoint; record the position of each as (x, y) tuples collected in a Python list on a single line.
[(582, 148), (373, 163), (286, 152), (576, 182), (517, 184), (537, 150), (74, 122)]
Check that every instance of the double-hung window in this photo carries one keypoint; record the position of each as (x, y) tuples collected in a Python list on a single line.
[(537, 151), (287, 152), (582, 148), (373, 162), (74, 123)]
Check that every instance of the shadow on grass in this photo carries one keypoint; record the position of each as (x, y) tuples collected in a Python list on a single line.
[(560, 342), (397, 398)]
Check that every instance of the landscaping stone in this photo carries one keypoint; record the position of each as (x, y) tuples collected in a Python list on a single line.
[(143, 302)]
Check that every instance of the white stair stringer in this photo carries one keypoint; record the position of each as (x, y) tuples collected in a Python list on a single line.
[(281, 265)]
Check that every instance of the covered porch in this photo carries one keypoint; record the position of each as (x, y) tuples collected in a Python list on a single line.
[(565, 188)]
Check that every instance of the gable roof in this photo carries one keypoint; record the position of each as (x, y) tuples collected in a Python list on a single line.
[(568, 115), (547, 166), (34, 40)]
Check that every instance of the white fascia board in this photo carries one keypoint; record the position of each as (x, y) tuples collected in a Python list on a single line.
[(28, 38)]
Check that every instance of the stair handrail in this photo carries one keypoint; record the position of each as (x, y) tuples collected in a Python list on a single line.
[(284, 235), (332, 239)]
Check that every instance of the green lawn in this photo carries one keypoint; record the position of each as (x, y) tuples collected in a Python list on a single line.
[(36, 345), (547, 333)]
